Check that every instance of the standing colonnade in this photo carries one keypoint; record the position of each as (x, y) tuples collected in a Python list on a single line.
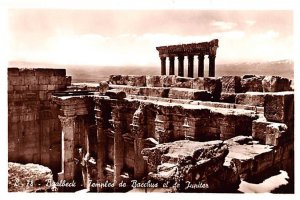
[(189, 50)]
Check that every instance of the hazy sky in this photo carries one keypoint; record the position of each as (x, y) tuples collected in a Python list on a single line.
[(121, 37)]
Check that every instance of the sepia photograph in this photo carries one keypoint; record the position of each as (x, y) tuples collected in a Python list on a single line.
[(150, 100)]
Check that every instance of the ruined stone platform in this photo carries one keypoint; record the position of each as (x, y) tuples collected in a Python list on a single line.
[(201, 163), (202, 130)]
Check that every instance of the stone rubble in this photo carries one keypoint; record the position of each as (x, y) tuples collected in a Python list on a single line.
[(29, 178)]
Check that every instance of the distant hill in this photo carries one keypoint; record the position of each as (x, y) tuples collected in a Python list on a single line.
[(284, 68), (85, 73)]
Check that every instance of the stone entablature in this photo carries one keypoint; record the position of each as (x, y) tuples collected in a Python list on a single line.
[(203, 48)]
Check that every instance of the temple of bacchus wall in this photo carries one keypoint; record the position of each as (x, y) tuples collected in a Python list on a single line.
[(34, 131)]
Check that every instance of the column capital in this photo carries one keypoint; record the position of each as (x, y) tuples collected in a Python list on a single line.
[(116, 113), (201, 56), (211, 56), (213, 50), (66, 120), (181, 57), (163, 58), (99, 121)]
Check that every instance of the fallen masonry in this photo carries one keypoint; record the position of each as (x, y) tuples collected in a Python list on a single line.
[(183, 134), (29, 178), (213, 166)]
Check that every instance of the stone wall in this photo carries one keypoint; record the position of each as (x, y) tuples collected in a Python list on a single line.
[(125, 125), (247, 89), (33, 125)]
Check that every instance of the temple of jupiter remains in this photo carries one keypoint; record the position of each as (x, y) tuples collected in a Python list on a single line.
[(190, 51), (139, 132)]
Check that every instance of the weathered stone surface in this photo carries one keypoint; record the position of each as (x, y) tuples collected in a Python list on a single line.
[(68, 80), (238, 140), (250, 98), (251, 83), (131, 80), (116, 94), (60, 72), (118, 79), (231, 84), (184, 163), (212, 85), (276, 134), (249, 159), (184, 93), (270, 133), (259, 129), (279, 107), (168, 80), (154, 91), (228, 97), (183, 82), (32, 116), (153, 81), (13, 72), (29, 178), (134, 80), (16, 80), (276, 84), (227, 127), (30, 80), (46, 71), (129, 90), (103, 87)]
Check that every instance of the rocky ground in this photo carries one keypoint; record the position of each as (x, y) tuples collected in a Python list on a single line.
[(29, 178), (215, 166)]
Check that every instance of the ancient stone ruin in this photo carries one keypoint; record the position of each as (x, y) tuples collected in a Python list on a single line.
[(189, 50), (144, 133)]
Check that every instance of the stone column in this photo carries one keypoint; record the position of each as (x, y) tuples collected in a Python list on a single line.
[(212, 65), (68, 145), (139, 165), (200, 65), (163, 65), (137, 128), (118, 147), (118, 154), (172, 67), (180, 66), (101, 150), (191, 66)]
